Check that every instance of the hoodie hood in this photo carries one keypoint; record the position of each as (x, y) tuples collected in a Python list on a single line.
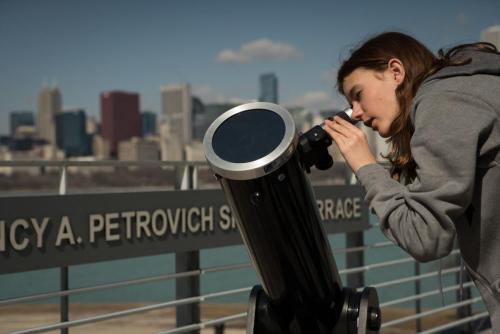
[(482, 62)]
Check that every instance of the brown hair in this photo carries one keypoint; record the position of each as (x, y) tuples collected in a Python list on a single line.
[(419, 63)]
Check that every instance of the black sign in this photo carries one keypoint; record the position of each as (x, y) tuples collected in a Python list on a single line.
[(51, 231)]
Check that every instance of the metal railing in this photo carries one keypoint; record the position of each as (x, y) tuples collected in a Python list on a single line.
[(466, 317)]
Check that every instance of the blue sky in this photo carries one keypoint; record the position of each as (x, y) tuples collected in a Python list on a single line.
[(219, 47)]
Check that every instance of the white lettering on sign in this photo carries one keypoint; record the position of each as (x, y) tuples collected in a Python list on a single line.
[(128, 223), (356, 207), (40, 230), (20, 234), (141, 224), (207, 218), (112, 227), (227, 220), (340, 208), (159, 222), (16, 244), (193, 224), (96, 224), (143, 220), (174, 223), (65, 232)]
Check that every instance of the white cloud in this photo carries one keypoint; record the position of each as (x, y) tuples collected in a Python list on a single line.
[(260, 49), (317, 100)]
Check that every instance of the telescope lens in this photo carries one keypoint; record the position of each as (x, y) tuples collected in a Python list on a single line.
[(255, 133)]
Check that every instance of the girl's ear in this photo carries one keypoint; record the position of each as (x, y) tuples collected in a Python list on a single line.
[(396, 70)]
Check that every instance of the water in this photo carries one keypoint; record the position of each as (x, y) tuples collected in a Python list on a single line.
[(23, 284)]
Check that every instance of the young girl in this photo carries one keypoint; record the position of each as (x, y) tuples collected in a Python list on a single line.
[(441, 116)]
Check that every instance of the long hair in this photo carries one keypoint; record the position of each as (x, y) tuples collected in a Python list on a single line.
[(419, 63)]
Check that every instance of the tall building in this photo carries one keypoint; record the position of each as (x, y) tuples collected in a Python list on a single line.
[(100, 147), (148, 123), (199, 118), (91, 125), (71, 133), (49, 105), (268, 88), (214, 110), (492, 35), (302, 117), (138, 149), (24, 138), (120, 118), (204, 115), (177, 121), (19, 118)]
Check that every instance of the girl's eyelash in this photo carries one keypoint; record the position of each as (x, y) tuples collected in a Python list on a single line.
[(358, 95)]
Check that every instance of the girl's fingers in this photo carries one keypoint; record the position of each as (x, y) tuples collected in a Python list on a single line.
[(339, 128), (338, 137)]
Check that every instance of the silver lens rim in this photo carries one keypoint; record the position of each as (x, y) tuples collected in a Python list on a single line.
[(262, 166)]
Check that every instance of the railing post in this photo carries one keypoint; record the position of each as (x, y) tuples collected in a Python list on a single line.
[(187, 287), (354, 239), (187, 261), (219, 329), (64, 276), (64, 301), (355, 259), (62, 181), (418, 302), (463, 294)]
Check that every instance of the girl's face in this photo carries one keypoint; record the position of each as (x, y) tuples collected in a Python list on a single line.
[(372, 95)]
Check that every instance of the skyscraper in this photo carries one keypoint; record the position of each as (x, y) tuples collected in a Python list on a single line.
[(205, 114), (71, 134), (148, 123), (18, 118), (199, 118), (268, 88), (177, 119), (49, 105), (492, 35), (120, 118)]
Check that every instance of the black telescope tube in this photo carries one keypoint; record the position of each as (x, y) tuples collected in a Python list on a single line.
[(277, 215), (279, 221)]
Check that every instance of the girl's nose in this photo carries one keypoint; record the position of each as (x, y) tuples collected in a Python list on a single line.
[(357, 112)]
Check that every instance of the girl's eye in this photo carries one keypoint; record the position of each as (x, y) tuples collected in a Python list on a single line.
[(358, 95)]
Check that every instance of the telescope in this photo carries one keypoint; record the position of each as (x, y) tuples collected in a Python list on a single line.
[(261, 162)]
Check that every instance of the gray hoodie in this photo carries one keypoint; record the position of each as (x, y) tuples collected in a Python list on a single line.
[(456, 146)]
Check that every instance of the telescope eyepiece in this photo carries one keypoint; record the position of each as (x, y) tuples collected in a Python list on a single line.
[(346, 115), (313, 148)]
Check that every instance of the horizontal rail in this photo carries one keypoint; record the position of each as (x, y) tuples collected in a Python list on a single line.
[(205, 324), (455, 323), (430, 312), (425, 294), (98, 163), (415, 278), (197, 272), (376, 266), (382, 264), (363, 248), (131, 311), (160, 278)]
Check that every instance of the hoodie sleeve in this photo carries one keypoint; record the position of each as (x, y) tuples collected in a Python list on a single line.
[(420, 217)]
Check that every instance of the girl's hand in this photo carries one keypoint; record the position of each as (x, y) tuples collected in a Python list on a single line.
[(352, 143)]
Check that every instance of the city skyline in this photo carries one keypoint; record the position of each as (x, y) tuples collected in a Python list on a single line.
[(91, 47)]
